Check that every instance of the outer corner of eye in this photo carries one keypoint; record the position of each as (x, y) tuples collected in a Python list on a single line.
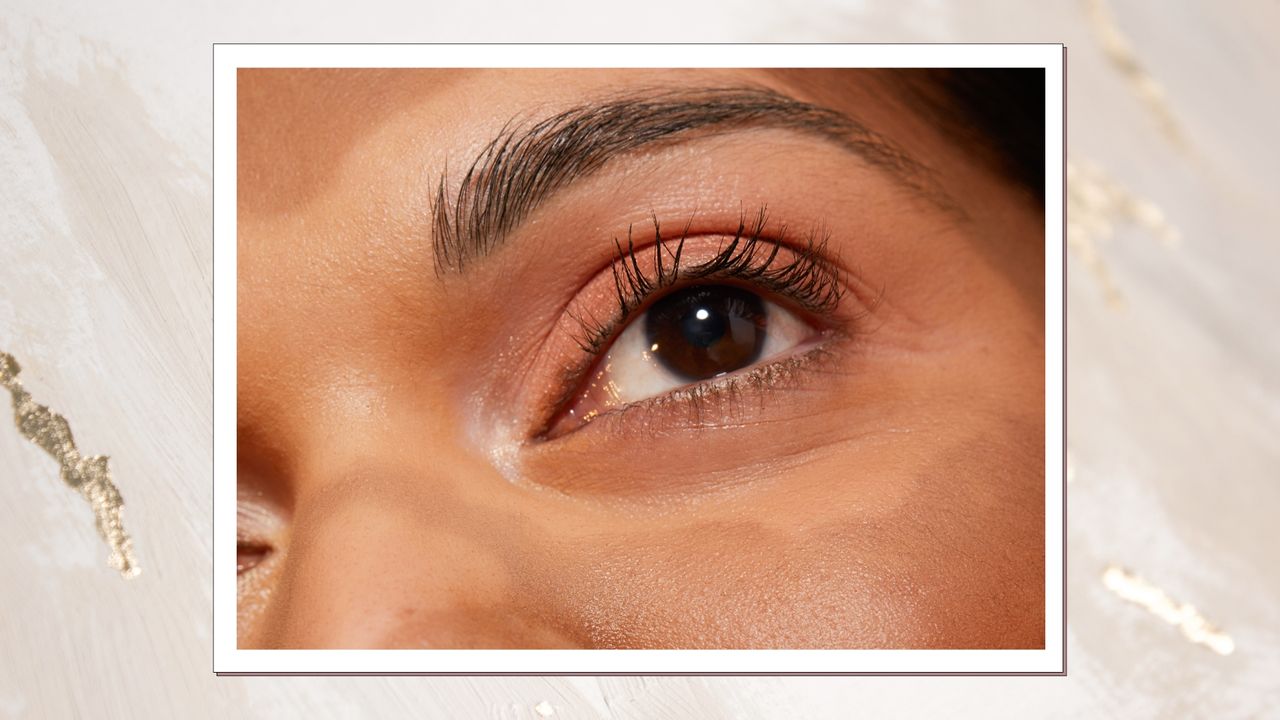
[(687, 337)]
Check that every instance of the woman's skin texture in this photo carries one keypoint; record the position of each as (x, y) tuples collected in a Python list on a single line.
[(881, 488)]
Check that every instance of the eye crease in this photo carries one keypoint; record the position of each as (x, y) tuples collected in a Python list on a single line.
[(684, 326)]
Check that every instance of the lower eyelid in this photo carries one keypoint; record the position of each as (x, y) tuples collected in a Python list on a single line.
[(723, 400), (628, 356), (627, 374)]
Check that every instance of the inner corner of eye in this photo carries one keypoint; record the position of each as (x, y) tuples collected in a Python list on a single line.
[(687, 336)]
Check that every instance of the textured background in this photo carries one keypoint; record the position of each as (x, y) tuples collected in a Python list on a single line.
[(105, 298)]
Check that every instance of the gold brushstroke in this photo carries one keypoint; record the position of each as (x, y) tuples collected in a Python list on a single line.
[(1194, 626), (88, 476), (1123, 58), (1096, 204)]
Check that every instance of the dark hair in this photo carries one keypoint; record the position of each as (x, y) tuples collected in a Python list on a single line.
[(1001, 110)]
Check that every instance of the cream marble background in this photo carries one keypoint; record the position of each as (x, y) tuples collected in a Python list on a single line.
[(105, 298)]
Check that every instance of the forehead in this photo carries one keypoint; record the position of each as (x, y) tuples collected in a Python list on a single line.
[(296, 128)]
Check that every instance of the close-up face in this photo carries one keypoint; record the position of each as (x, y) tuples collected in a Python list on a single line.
[(639, 358)]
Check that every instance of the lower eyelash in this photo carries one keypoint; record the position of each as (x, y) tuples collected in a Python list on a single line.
[(724, 396)]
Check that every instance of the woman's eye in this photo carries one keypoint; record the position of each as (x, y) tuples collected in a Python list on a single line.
[(691, 335), (249, 554)]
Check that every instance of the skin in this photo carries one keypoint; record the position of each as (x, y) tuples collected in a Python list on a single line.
[(887, 493)]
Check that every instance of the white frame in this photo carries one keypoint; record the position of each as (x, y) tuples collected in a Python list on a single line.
[(228, 658)]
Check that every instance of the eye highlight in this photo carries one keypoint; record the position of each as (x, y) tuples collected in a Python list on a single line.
[(259, 524), (682, 329)]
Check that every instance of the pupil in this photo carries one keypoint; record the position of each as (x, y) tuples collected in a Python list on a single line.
[(702, 328), (707, 330)]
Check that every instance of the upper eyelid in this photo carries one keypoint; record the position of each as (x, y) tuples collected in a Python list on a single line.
[(731, 261), (818, 280)]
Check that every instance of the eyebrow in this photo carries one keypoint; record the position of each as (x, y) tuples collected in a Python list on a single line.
[(523, 166)]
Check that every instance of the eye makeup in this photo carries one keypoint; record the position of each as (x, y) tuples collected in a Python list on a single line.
[(254, 527), (748, 310), (261, 518), (261, 533), (805, 276)]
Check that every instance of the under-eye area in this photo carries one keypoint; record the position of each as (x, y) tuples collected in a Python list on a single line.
[(703, 358)]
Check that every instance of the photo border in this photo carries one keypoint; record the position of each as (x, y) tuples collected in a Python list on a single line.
[(231, 660)]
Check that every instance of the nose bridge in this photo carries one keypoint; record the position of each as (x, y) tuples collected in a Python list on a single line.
[(402, 531), (374, 562), (396, 543)]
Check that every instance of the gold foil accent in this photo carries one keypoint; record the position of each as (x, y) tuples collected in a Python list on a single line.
[(1123, 58), (1096, 204), (1142, 592), (88, 476)]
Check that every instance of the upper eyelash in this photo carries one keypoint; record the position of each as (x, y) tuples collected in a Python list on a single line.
[(810, 279)]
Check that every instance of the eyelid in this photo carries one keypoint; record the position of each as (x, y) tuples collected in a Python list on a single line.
[(710, 403), (260, 520), (738, 258), (805, 277)]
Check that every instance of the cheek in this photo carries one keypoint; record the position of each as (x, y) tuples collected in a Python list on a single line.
[(741, 584), (976, 544), (936, 544)]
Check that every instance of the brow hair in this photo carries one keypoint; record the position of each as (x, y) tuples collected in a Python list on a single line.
[(524, 164)]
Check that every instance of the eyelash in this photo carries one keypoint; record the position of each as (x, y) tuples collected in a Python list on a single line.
[(810, 279)]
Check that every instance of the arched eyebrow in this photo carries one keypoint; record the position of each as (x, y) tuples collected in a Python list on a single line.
[(523, 166)]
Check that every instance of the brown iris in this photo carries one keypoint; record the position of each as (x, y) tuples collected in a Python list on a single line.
[(706, 330)]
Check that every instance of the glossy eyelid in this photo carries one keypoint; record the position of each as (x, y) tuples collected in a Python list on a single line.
[(260, 524), (809, 279)]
